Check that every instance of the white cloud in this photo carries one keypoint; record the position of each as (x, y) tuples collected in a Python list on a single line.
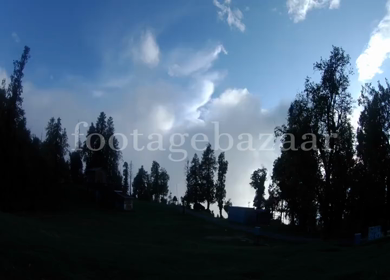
[(147, 50), (334, 4), (377, 51), (298, 9), (15, 37), (184, 62), (169, 106), (232, 17)]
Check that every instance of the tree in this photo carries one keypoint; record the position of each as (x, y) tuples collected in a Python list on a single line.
[(317, 179), (56, 147), (227, 205), (126, 178), (101, 149), (112, 153), (370, 194), (296, 176), (220, 191), (174, 200), (208, 166), (159, 181), (141, 185), (163, 187), (17, 150), (193, 178), (155, 180), (331, 108), (257, 182)]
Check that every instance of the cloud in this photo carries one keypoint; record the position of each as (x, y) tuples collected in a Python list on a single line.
[(147, 50), (169, 106), (298, 9), (15, 37), (185, 62), (377, 51), (232, 17), (334, 4)]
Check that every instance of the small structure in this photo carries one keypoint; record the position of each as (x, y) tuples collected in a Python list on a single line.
[(123, 201), (248, 216)]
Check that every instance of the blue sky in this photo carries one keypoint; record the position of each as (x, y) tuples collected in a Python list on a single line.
[(166, 65)]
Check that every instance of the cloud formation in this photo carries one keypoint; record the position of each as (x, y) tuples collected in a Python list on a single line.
[(186, 62), (377, 51), (15, 37), (298, 9), (232, 17), (169, 107), (147, 50)]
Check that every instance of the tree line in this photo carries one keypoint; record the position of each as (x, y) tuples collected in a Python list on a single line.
[(35, 170), (200, 175), (342, 184)]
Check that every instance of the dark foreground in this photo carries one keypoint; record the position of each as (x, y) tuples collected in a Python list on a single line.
[(158, 242)]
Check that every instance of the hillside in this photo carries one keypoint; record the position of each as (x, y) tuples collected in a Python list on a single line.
[(158, 242)]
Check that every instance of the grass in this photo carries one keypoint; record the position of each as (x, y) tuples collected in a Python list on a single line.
[(159, 242)]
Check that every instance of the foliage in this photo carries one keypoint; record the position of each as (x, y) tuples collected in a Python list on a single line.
[(125, 178), (208, 166), (258, 183), (220, 190)]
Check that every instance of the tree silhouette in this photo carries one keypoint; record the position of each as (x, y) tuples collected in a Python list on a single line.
[(220, 191), (126, 178), (142, 185), (258, 183), (194, 192), (208, 166)]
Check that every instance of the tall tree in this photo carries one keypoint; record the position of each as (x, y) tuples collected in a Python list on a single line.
[(112, 154), (220, 190), (155, 180), (126, 178), (194, 193), (16, 148), (331, 106), (208, 166), (163, 187), (141, 185), (101, 149), (56, 147), (296, 177), (373, 151), (258, 179)]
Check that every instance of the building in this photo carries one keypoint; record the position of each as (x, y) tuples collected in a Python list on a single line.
[(248, 216), (123, 201)]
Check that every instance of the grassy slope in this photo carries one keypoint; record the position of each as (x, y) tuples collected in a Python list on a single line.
[(157, 242)]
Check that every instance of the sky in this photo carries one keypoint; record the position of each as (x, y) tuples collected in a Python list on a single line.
[(176, 66)]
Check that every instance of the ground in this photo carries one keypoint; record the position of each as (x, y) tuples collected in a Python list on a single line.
[(159, 242)]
